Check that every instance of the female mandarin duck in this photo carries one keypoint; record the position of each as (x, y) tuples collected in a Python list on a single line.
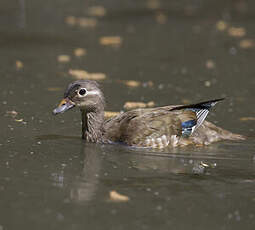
[(152, 127)]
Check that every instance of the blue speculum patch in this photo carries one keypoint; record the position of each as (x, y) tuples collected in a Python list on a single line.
[(189, 124), (187, 127)]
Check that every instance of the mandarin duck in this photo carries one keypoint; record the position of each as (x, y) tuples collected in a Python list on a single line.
[(173, 125)]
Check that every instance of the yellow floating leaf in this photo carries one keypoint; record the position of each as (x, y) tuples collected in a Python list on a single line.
[(82, 74), (117, 197), (110, 40), (87, 22), (63, 58), (19, 64), (54, 89), (97, 76), (133, 105), (247, 43), (236, 31), (70, 20), (150, 104), (221, 25), (79, 74), (98, 11), (132, 83), (109, 114), (80, 52), (247, 118)]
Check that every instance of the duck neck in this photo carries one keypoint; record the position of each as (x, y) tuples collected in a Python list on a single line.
[(92, 124)]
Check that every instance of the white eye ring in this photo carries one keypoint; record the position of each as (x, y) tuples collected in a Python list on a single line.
[(82, 92)]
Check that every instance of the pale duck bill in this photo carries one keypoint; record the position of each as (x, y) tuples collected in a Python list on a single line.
[(63, 106)]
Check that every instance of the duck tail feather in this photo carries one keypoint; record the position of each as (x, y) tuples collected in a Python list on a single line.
[(199, 106), (201, 109)]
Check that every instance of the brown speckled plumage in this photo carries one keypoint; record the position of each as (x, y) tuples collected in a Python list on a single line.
[(154, 127)]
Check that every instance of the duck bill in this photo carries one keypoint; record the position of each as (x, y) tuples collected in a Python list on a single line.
[(63, 106)]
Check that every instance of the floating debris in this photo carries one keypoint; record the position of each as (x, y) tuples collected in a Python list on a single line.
[(79, 74), (151, 104), (19, 120), (19, 64), (110, 41), (63, 58), (247, 119), (148, 84), (210, 64), (198, 169), (204, 164), (117, 197), (236, 31), (86, 22), (97, 76), (82, 22), (78, 52), (207, 83), (247, 43), (82, 74), (109, 114), (133, 105), (70, 20), (221, 25), (153, 4), (201, 167), (161, 18), (131, 83), (12, 113), (97, 11)]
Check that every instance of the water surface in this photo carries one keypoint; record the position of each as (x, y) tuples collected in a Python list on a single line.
[(51, 179)]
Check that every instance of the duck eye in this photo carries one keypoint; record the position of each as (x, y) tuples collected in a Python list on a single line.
[(82, 92)]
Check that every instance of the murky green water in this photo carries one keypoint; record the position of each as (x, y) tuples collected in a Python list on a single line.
[(50, 179)]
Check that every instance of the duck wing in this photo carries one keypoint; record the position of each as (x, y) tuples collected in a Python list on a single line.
[(157, 127)]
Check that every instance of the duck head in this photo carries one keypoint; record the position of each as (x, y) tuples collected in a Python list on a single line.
[(84, 94)]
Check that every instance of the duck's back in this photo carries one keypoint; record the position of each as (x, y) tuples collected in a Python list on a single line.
[(156, 128), (164, 126)]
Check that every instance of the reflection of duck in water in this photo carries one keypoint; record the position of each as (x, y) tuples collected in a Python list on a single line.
[(84, 187), (93, 175), (172, 163), (81, 178), (155, 127)]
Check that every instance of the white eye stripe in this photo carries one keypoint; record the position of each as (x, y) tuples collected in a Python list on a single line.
[(93, 92)]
